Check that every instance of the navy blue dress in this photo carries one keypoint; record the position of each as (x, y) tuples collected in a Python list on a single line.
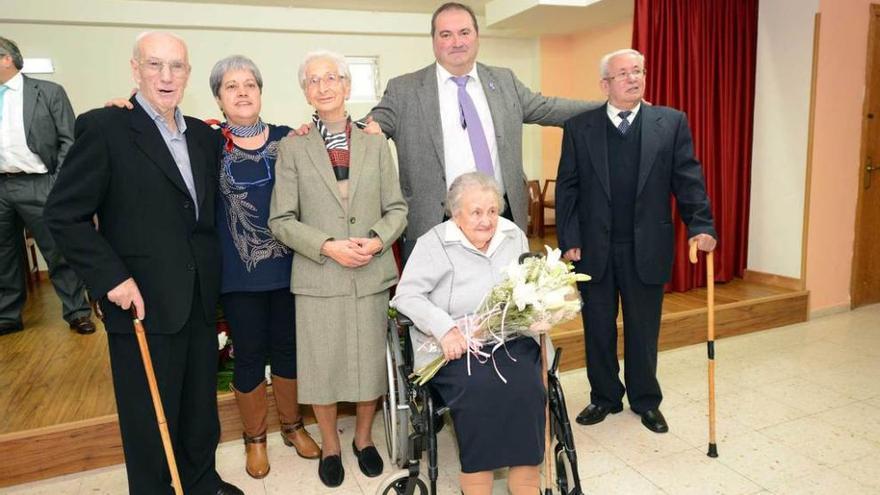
[(497, 424), (255, 282)]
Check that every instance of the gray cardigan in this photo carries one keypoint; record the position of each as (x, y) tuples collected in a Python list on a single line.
[(445, 279)]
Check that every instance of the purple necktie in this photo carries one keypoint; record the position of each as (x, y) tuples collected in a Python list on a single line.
[(470, 120)]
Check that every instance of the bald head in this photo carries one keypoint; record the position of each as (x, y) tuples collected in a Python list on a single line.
[(153, 36)]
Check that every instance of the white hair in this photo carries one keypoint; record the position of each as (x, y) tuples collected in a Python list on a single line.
[(468, 181), (603, 64), (136, 50), (336, 58)]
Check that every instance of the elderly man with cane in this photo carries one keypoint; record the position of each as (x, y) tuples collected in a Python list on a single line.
[(149, 175)]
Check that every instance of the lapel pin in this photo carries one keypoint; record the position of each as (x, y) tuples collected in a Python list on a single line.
[(492, 85)]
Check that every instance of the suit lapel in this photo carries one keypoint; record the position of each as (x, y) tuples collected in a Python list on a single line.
[(150, 142), (495, 99), (321, 161), (198, 164), (429, 97), (30, 91), (597, 143), (356, 159), (651, 126)]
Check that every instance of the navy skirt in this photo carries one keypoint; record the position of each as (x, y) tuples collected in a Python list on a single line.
[(497, 424)]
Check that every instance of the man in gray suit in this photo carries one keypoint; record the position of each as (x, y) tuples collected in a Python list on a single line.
[(36, 130), (456, 116)]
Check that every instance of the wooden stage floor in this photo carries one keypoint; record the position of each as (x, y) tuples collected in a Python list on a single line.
[(55, 384)]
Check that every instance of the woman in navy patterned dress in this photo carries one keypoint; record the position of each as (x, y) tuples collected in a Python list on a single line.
[(255, 292)]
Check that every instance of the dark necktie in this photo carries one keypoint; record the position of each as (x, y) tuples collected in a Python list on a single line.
[(470, 120), (624, 123)]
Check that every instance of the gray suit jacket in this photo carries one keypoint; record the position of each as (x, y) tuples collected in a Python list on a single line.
[(48, 121), (409, 113), (306, 210)]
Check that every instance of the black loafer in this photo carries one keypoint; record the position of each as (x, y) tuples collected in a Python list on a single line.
[(593, 414), (228, 489), (330, 470), (653, 420), (369, 460), (83, 326)]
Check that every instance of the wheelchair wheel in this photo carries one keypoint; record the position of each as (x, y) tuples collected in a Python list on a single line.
[(395, 407), (564, 475), (395, 484)]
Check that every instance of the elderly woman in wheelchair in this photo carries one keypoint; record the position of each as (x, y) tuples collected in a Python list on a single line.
[(451, 268)]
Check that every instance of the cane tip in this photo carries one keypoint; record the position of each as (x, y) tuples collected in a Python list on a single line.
[(713, 451)]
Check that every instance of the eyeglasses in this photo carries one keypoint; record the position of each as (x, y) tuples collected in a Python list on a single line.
[(154, 66), (330, 79), (624, 76)]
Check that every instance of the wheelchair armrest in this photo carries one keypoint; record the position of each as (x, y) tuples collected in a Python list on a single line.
[(404, 320)]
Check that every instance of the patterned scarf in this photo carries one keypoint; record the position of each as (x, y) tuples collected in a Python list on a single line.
[(337, 145)]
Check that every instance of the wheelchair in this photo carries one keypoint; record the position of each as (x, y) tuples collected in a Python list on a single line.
[(413, 417)]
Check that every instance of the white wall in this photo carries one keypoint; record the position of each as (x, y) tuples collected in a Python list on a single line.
[(90, 43), (779, 150)]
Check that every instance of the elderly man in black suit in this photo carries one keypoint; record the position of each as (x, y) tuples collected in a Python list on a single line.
[(36, 130), (150, 175), (620, 165)]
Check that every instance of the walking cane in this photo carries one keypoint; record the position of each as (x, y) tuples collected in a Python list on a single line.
[(710, 341), (548, 463), (157, 402)]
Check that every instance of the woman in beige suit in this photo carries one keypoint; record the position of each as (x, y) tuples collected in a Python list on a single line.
[(337, 204)]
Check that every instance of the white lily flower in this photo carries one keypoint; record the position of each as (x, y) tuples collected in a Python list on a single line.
[(525, 295)]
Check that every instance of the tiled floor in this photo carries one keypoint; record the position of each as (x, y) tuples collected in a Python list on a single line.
[(797, 414)]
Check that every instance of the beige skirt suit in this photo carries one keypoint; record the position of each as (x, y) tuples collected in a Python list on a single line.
[(340, 311)]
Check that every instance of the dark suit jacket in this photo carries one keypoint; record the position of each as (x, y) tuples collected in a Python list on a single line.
[(667, 166), (120, 168), (48, 121), (409, 113)]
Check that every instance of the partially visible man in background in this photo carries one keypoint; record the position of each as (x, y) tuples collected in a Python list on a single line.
[(36, 130)]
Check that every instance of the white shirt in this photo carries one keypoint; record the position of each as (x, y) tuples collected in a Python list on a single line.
[(15, 156), (457, 153), (616, 120)]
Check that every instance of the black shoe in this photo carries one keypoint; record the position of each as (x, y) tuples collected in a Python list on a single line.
[(369, 460), (10, 327), (228, 489), (653, 420), (330, 470), (83, 326), (593, 414)]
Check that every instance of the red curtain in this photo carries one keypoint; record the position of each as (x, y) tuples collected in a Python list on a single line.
[(700, 59)]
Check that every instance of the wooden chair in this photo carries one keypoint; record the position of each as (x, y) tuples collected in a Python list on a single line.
[(548, 201), (536, 213)]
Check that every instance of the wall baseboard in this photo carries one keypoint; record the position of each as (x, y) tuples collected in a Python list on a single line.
[(830, 310)]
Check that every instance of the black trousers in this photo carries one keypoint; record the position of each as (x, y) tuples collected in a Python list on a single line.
[(186, 372), (642, 305), (263, 326)]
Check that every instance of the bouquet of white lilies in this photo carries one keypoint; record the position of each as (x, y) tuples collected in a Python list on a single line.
[(537, 294)]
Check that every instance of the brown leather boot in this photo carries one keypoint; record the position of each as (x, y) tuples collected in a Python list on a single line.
[(292, 431), (252, 407)]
